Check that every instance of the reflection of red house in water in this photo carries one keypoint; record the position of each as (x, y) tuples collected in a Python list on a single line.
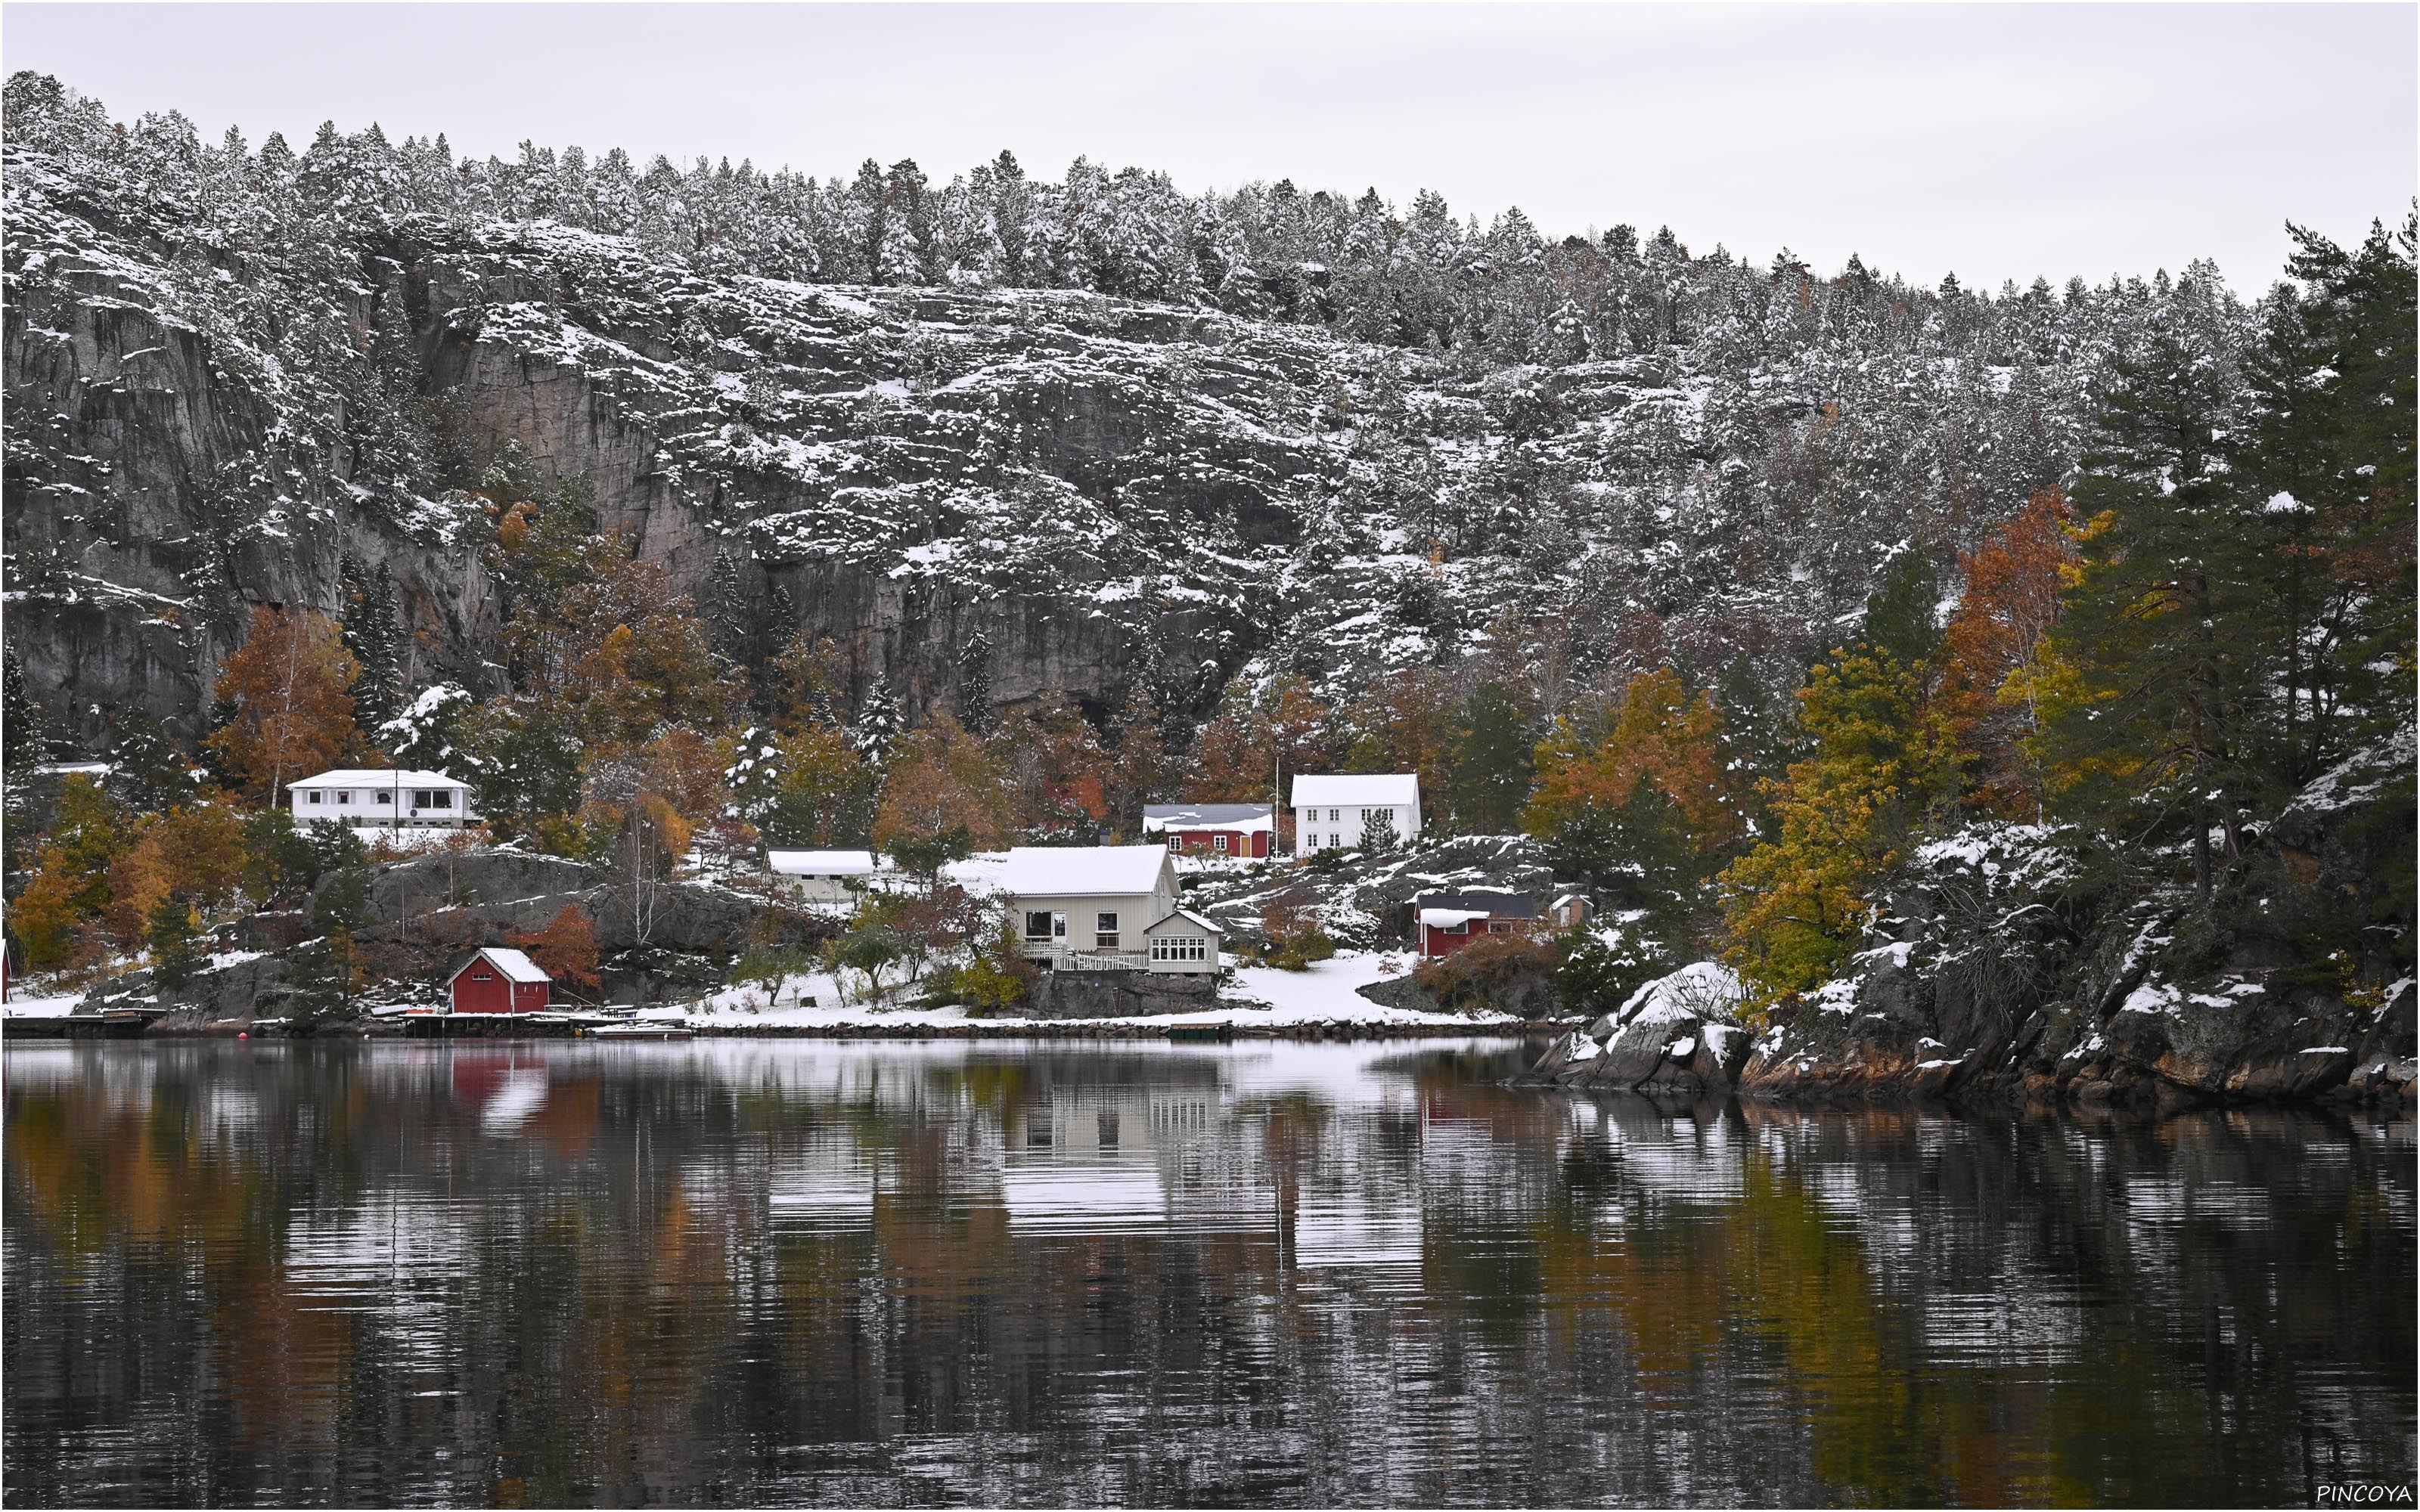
[(1444, 922), (498, 980)]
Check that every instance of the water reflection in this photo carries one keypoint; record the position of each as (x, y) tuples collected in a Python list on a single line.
[(849, 1272)]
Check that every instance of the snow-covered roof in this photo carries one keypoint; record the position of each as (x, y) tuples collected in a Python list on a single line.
[(365, 777), (513, 963), (1082, 871), (1190, 917), (1382, 789), (820, 863), (1248, 817), (1450, 918), (1477, 904)]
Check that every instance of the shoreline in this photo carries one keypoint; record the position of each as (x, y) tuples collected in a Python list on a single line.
[(91, 1026)]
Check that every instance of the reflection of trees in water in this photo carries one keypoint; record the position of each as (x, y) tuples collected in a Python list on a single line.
[(815, 1271)]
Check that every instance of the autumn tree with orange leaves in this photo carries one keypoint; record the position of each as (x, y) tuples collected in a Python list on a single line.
[(286, 685), (1993, 650)]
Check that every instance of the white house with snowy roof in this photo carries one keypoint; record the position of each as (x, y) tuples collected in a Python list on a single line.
[(1331, 809), (821, 876), (393, 798), (1102, 907)]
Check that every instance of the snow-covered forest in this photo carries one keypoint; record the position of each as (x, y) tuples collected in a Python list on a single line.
[(688, 504)]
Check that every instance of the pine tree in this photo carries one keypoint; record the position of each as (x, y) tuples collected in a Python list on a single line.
[(2145, 725), (975, 709), (878, 722), (147, 772), (1491, 762), (22, 745), (170, 931), (728, 607)]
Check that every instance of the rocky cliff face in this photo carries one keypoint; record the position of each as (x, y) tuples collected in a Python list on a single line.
[(216, 396)]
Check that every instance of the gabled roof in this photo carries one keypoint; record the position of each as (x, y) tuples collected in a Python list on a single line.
[(1477, 904), (367, 776), (1157, 817), (1376, 789), (515, 966), (1082, 871), (1190, 917), (820, 863)]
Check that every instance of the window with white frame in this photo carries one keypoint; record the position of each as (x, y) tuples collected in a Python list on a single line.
[(1219, 841), (344, 795), (1176, 842), (1037, 926), (315, 794), (1180, 948)]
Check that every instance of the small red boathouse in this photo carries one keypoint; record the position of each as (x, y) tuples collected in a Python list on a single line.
[(498, 980)]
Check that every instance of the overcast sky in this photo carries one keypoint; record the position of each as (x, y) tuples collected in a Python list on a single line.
[(1998, 141)]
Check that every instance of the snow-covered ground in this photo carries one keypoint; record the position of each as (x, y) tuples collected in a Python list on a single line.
[(46, 1007), (1263, 996)]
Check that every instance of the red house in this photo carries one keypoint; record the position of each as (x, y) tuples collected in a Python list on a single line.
[(1239, 829), (498, 980), (1444, 922)]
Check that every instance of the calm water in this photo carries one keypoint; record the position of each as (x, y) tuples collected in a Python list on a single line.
[(899, 1273)]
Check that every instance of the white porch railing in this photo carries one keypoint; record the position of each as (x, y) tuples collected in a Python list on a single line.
[(1062, 958)]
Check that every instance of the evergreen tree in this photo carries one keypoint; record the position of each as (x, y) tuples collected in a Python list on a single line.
[(2146, 724), (371, 633), (1902, 616), (878, 722), (147, 772), (2325, 473), (975, 709), (22, 745), (170, 931), (728, 607), (1491, 762)]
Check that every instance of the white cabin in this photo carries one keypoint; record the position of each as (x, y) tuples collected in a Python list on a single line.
[(820, 876), (395, 798), (1103, 907), (1331, 809)]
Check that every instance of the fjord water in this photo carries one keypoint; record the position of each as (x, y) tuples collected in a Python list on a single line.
[(881, 1274)]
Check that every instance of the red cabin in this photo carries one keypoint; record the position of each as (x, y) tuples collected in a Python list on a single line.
[(1444, 922), (498, 980), (1242, 830)]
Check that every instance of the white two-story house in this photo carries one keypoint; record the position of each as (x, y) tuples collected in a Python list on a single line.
[(396, 798), (1330, 811), (1103, 907)]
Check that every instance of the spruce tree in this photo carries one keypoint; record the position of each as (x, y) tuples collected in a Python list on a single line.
[(878, 722), (975, 709)]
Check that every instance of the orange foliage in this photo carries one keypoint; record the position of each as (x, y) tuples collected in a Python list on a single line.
[(942, 778), (1994, 644), (567, 948), (287, 685), (1662, 736)]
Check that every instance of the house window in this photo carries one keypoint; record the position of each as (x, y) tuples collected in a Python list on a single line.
[(1335, 842), (344, 795), (1104, 931), (441, 798), (1219, 840), (1499, 926), (1176, 842), (1334, 817), (315, 794), (1037, 926), (1181, 948), (384, 798), (481, 975)]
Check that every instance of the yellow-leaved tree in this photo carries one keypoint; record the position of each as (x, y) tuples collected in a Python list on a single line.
[(1798, 904)]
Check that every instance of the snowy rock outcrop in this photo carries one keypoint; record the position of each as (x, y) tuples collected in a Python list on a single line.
[(1680, 1034)]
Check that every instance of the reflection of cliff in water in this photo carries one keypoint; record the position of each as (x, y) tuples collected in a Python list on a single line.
[(1289, 1273)]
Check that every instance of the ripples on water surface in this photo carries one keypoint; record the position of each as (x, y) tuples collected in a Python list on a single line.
[(1275, 1273)]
